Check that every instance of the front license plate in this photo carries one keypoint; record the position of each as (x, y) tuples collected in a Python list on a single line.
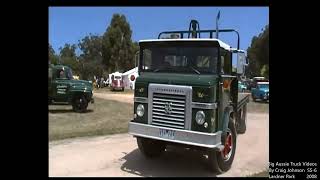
[(167, 134)]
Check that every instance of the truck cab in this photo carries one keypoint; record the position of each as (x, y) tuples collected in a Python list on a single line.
[(260, 91), (63, 89), (187, 94)]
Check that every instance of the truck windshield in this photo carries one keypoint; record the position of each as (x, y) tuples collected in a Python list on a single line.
[(65, 74), (263, 86), (199, 60)]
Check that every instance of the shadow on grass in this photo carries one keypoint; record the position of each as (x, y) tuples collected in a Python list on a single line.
[(61, 111)]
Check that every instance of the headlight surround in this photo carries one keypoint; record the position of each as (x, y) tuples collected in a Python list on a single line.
[(200, 117), (140, 110)]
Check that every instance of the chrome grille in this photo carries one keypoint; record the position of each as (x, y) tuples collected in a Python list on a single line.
[(175, 117), (169, 106)]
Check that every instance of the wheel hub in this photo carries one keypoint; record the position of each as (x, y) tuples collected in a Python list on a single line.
[(227, 151)]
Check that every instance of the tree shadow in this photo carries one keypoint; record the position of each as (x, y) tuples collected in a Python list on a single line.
[(61, 111), (174, 162), (261, 101)]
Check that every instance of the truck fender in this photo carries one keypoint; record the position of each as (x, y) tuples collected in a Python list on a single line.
[(227, 112)]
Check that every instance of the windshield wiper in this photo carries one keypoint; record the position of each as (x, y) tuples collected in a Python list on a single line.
[(196, 71)]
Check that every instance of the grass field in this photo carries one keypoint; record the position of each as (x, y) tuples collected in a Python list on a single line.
[(103, 117)]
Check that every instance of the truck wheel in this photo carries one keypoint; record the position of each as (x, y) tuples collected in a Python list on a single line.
[(80, 104), (122, 89), (150, 148), (243, 121), (222, 161)]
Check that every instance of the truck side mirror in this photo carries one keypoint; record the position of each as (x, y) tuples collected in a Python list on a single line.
[(241, 62)]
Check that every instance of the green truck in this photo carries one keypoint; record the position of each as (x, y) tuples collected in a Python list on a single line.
[(64, 90), (187, 94)]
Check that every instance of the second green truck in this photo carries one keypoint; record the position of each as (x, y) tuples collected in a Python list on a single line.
[(187, 94)]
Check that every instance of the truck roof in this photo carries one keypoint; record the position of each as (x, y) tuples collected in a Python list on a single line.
[(263, 83), (221, 44)]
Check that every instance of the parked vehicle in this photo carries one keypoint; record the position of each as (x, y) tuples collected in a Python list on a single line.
[(117, 82), (260, 91), (64, 90), (184, 97)]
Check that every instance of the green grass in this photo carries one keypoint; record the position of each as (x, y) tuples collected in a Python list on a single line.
[(103, 117), (261, 174)]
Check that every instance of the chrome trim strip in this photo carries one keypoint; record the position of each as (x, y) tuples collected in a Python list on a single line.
[(204, 105), (141, 99), (208, 140), (228, 76)]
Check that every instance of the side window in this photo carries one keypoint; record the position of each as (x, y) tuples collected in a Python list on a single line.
[(226, 64), (147, 54), (61, 74), (222, 64)]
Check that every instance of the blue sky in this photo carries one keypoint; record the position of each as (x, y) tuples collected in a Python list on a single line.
[(71, 24)]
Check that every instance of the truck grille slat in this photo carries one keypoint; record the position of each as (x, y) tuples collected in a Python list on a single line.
[(173, 104), (168, 96), (168, 122), (173, 112), (173, 108), (168, 118), (169, 115), (166, 100)]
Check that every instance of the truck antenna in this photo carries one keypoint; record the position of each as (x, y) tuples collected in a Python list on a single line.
[(217, 28)]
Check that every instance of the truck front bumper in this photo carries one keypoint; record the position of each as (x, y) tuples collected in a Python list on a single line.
[(208, 140)]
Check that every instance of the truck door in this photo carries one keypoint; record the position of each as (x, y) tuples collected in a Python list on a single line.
[(224, 84), (60, 86)]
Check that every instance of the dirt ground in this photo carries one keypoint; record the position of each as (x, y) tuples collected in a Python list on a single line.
[(119, 156), (127, 98)]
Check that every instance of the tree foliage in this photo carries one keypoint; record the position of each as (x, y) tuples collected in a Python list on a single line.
[(53, 57), (258, 53), (117, 47), (69, 58)]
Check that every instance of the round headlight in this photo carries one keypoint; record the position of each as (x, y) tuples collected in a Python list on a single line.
[(140, 110), (200, 116)]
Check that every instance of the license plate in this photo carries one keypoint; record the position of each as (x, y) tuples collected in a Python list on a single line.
[(167, 134)]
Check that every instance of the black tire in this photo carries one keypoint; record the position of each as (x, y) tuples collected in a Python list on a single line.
[(150, 148), (122, 89), (80, 104), (217, 161), (243, 121)]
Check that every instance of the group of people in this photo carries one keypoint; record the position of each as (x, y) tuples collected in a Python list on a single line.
[(100, 82)]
